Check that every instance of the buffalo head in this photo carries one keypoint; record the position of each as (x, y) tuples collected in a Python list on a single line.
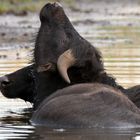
[(59, 46), (19, 84)]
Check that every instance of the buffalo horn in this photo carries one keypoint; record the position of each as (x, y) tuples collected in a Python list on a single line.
[(65, 61)]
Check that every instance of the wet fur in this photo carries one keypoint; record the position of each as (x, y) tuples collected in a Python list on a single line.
[(87, 105)]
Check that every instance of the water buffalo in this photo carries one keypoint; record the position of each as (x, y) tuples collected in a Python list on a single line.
[(87, 105), (62, 57)]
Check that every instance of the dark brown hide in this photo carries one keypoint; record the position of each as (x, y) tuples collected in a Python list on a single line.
[(133, 94), (87, 105)]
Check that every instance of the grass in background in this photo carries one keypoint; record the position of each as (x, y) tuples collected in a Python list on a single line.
[(20, 6)]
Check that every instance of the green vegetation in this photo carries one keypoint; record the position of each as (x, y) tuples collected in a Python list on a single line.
[(18, 6), (21, 6)]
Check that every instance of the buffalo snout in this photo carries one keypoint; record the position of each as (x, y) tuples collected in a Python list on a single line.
[(4, 82)]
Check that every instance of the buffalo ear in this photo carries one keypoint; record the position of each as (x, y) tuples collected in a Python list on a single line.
[(46, 67), (65, 61)]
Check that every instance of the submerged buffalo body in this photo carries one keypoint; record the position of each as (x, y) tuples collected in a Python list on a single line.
[(87, 105)]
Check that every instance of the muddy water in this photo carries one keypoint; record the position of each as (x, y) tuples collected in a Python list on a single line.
[(114, 30)]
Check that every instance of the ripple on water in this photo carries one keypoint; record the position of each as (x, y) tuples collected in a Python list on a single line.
[(15, 132)]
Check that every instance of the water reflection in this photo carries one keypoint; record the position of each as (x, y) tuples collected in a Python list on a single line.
[(42, 133), (15, 132), (15, 124)]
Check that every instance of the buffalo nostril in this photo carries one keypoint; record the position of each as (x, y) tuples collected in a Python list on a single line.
[(5, 83)]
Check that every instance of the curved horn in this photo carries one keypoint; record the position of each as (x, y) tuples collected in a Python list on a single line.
[(65, 61)]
